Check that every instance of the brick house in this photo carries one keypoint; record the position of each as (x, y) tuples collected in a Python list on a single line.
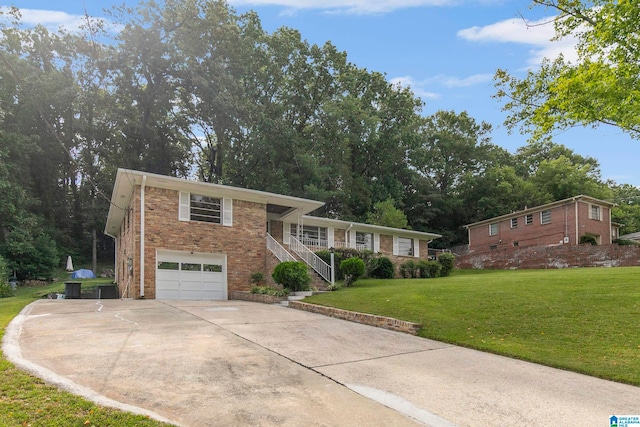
[(559, 223), (182, 239)]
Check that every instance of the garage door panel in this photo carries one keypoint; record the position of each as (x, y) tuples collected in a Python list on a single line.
[(186, 276)]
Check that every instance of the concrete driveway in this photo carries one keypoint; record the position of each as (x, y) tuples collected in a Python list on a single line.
[(228, 363)]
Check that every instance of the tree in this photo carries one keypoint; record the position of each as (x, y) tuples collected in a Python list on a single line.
[(386, 214), (600, 88)]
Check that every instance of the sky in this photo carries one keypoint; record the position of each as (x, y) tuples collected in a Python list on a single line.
[(446, 51)]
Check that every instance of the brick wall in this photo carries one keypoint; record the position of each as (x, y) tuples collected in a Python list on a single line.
[(563, 224), (244, 243), (552, 257)]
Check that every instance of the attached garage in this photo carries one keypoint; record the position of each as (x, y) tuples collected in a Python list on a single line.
[(190, 276)]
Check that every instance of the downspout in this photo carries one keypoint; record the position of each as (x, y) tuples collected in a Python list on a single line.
[(577, 228), (346, 239), (142, 186)]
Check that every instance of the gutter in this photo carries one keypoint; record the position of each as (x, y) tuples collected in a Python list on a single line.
[(142, 187)]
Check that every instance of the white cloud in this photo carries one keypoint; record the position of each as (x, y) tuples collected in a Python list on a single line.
[(418, 88), (537, 34), (53, 19), (356, 7)]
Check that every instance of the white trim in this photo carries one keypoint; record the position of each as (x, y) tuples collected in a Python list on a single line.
[(395, 245), (416, 248), (142, 187), (376, 242), (184, 209), (352, 239), (286, 233), (227, 212), (330, 237)]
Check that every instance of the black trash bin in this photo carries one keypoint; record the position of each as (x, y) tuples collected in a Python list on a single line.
[(107, 292), (72, 290)]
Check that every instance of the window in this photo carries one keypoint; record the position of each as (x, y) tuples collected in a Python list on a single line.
[(545, 217), (594, 213), (516, 244), (187, 266), (493, 247), (405, 246), (528, 219), (514, 222), (493, 229), (310, 235), (364, 241), (165, 265), (206, 209), (195, 207), (212, 268)]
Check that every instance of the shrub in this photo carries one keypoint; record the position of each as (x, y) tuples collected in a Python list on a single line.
[(409, 270), (270, 290), (257, 278), (352, 268), (429, 269), (623, 242), (588, 240), (292, 275), (447, 260), (5, 288), (381, 268)]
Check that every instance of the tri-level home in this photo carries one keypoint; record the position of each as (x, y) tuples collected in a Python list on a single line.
[(563, 222), (183, 239)]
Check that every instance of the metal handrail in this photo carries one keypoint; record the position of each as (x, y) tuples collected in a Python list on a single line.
[(278, 250), (313, 260)]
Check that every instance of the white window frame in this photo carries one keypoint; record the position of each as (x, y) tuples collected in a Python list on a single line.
[(226, 209), (546, 212), (598, 212), (528, 219), (311, 235), (493, 229), (367, 243), (398, 248), (514, 222)]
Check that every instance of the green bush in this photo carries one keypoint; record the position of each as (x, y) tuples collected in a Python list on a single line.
[(292, 275), (270, 290), (257, 278), (623, 242), (352, 268), (447, 260), (5, 288), (429, 269), (381, 268), (409, 269), (588, 240)]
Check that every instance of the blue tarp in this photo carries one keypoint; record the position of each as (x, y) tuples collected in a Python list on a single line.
[(83, 274)]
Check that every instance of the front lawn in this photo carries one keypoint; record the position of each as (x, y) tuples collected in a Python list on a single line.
[(584, 320), (27, 401)]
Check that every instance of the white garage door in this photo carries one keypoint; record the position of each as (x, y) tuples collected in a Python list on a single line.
[(187, 276)]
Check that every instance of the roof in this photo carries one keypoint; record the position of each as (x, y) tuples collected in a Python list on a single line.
[(543, 207), (631, 236), (281, 206), (127, 180)]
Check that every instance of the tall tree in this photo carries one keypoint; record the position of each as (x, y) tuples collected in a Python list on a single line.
[(601, 87)]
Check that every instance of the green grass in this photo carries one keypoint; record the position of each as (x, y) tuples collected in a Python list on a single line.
[(27, 401), (584, 320)]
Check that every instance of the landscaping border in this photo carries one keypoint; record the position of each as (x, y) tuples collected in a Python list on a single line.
[(248, 296), (366, 319)]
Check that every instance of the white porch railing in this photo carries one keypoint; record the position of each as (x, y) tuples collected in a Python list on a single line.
[(276, 248), (313, 260), (324, 244)]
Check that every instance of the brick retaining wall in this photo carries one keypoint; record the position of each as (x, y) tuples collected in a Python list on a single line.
[(248, 296), (366, 319), (540, 257)]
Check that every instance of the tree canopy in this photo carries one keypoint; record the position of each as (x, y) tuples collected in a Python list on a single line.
[(601, 87), (190, 88)]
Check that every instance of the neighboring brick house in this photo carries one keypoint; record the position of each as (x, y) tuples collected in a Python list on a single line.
[(559, 223), (181, 239)]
